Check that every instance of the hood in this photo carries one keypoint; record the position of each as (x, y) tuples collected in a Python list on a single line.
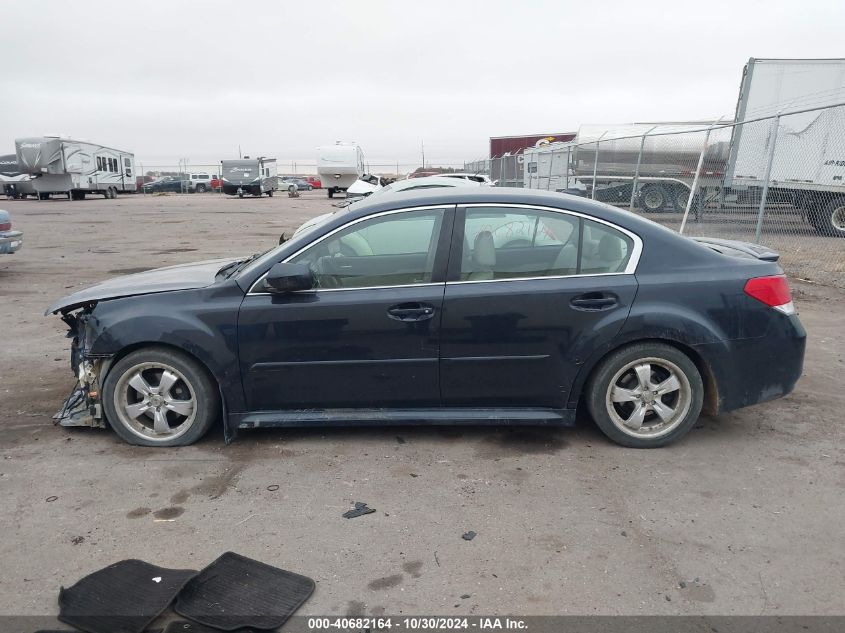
[(180, 277)]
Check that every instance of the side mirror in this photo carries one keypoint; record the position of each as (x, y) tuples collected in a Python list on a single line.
[(283, 238), (284, 278)]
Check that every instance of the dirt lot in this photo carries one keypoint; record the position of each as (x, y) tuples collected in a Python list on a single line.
[(744, 516)]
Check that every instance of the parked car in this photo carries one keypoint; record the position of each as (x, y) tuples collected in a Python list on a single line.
[(314, 181), (477, 305), (288, 182), (10, 241), (168, 183), (397, 186), (481, 179)]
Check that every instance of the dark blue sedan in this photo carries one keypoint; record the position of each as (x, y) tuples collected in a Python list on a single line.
[(478, 306)]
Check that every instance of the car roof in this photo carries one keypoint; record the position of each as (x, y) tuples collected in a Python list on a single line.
[(504, 196)]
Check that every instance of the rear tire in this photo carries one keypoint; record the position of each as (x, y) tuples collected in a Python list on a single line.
[(200, 188), (645, 395), (160, 397), (331, 192), (653, 198), (270, 193), (829, 220)]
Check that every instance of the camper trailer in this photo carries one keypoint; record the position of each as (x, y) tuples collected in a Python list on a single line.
[(249, 176), (59, 165), (339, 166), (13, 183)]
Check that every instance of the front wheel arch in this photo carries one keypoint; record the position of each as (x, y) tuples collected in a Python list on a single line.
[(224, 409)]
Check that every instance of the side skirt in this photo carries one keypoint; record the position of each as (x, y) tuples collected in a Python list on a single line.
[(433, 417)]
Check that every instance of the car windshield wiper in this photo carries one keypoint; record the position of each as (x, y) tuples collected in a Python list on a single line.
[(239, 265), (229, 269)]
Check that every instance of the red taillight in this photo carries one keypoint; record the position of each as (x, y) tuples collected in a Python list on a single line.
[(772, 290), (5, 226)]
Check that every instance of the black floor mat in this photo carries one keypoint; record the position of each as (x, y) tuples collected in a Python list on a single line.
[(184, 626), (236, 592), (122, 598)]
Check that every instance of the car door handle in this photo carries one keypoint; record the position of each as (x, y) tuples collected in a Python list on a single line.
[(409, 312), (593, 301)]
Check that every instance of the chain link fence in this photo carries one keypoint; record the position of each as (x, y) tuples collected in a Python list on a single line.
[(778, 181)]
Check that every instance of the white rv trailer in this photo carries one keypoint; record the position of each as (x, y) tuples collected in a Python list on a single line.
[(549, 166), (339, 166), (808, 162), (13, 183), (252, 176), (75, 168)]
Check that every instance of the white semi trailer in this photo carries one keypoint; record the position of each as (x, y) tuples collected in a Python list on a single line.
[(58, 165), (808, 156), (339, 166)]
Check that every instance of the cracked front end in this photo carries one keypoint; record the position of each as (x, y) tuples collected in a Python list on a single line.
[(83, 406)]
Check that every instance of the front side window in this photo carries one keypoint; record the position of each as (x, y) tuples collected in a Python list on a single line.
[(389, 250), (506, 243)]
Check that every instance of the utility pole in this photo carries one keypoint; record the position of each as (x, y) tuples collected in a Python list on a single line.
[(239, 151), (422, 145)]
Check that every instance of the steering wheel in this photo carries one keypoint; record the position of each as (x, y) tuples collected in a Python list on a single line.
[(324, 278)]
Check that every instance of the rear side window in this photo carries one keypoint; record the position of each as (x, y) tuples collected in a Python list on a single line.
[(502, 243), (604, 249), (509, 243)]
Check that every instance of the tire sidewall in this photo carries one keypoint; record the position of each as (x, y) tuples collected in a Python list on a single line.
[(822, 220), (205, 390), (646, 190), (600, 380)]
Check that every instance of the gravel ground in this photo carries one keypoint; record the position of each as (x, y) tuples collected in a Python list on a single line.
[(744, 516)]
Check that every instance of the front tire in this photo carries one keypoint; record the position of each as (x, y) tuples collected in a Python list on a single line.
[(331, 192), (645, 395), (160, 397), (200, 188)]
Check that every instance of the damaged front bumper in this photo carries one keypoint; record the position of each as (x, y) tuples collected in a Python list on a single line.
[(83, 406)]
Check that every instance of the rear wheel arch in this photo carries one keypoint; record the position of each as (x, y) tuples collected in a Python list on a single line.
[(711, 389)]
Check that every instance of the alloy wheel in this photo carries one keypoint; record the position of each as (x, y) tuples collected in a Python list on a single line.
[(155, 401), (648, 397)]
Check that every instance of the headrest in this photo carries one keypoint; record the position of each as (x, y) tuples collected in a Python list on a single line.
[(610, 248), (483, 252)]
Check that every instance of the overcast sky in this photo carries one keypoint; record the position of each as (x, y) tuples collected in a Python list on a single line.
[(198, 78)]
